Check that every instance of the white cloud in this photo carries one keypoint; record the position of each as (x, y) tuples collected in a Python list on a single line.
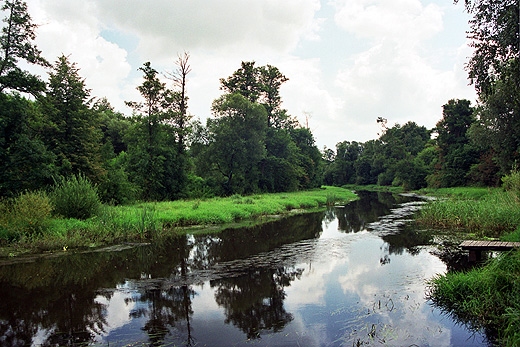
[(400, 75), (165, 25), (403, 21)]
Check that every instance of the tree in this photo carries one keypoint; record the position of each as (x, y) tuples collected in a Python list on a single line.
[(179, 77), (399, 144), (74, 133), (494, 69), (16, 44), (27, 163), (308, 159), (456, 154), (153, 148), (344, 171), (244, 81), (236, 145)]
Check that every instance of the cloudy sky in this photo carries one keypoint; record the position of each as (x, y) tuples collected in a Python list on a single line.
[(348, 61)]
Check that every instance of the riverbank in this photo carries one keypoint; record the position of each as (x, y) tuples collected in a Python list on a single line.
[(142, 222), (486, 297)]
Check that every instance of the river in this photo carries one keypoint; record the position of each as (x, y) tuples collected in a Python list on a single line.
[(352, 275)]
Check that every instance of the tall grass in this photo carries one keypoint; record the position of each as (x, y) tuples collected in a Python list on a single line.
[(485, 297), (490, 214)]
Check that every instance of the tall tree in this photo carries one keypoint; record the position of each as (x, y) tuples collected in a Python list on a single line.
[(153, 141), (179, 78), (27, 164), (456, 153), (243, 81), (494, 69), (74, 135), (16, 43), (236, 144)]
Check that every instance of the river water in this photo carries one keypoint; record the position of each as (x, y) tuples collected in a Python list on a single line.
[(349, 276)]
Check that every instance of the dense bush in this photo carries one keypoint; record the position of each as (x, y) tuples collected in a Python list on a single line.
[(28, 214), (75, 197)]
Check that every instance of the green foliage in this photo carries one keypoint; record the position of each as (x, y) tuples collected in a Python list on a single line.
[(511, 183), (27, 164), (26, 215), (115, 188), (485, 297), (494, 69), (156, 160), (237, 145), (75, 197), (73, 132), (197, 188)]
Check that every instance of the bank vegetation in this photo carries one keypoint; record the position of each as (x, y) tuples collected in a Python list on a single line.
[(487, 296), (70, 216)]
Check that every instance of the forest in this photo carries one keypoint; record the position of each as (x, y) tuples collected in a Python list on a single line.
[(53, 130)]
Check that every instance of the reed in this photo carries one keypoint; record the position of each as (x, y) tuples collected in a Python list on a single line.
[(490, 214)]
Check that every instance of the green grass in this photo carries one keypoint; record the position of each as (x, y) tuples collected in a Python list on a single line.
[(236, 208), (486, 212), (473, 193), (485, 297), (145, 221)]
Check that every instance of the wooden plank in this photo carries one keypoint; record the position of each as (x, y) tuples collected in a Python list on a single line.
[(489, 245)]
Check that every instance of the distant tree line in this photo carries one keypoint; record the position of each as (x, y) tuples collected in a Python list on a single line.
[(54, 129), (414, 157)]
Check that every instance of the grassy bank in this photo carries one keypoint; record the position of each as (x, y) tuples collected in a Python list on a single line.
[(486, 297), (486, 212), (21, 232)]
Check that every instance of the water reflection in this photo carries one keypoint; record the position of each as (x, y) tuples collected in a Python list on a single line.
[(341, 277)]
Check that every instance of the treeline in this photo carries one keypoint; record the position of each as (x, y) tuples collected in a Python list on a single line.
[(54, 129), (411, 156)]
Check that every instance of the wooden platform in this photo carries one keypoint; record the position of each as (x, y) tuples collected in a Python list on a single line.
[(477, 247)]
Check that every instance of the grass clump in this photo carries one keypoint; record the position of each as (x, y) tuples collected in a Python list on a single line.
[(511, 183), (75, 197), (485, 297)]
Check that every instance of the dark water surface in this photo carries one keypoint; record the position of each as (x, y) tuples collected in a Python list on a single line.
[(350, 276)]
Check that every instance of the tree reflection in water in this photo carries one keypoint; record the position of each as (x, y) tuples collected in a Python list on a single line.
[(254, 302)]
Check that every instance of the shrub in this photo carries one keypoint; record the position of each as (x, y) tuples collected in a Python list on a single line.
[(75, 197), (28, 214)]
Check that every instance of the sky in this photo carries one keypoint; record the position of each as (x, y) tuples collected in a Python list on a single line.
[(348, 61)]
